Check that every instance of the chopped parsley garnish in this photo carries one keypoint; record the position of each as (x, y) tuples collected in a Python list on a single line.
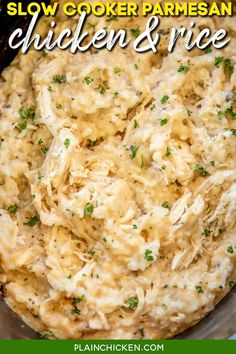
[(189, 112), (199, 289), (206, 233), (90, 25), (231, 283), (22, 126), (136, 66), (27, 113), (112, 18), (230, 250), (133, 303), (69, 276), (12, 209), (207, 50), (116, 70), (164, 99), (213, 163), (168, 151), (228, 66), (116, 94), (233, 131), (40, 142), (91, 251), (184, 68), (136, 124), (32, 221), (59, 79), (135, 227), (228, 112), (148, 255), (50, 89), (87, 80), (163, 121), (221, 115), (102, 89), (218, 61), (44, 149), (165, 205), (135, 32), (77, 300), (134, 149), (67, 143), (201, 170), (88, 209), (142, 161), (47, 334), (75, 312), (58, 106)]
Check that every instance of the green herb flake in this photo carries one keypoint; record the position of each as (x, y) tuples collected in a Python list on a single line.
[(228, 66), (88, 209), (22, 126), (207, 50), (135, 227), (135, 32), (67, 143), (50, 89), (112, 19), (116, 94), (87, 80), (165, 205), (142, 161), (199, 289), (77, 300), (218, 61), (134, 149), (227, 113), (59, 79), (102, 89), (40, 141), (168, 151), (44, 149), (133, 303), (116, 70), (163, 122), (91, 251), (148, 255), (27, 113), (189, 113), (206, 233), (32, 221), (12, 209), (164, 99), (201, 170), (47, 335), (230, 250), (69, 276), (136, 124), (75, 312), (233, 131), (58, 106), (184, 68), (231, 283), (212, 163)]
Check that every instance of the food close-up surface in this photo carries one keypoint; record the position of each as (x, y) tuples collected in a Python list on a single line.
[(118, 183)]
